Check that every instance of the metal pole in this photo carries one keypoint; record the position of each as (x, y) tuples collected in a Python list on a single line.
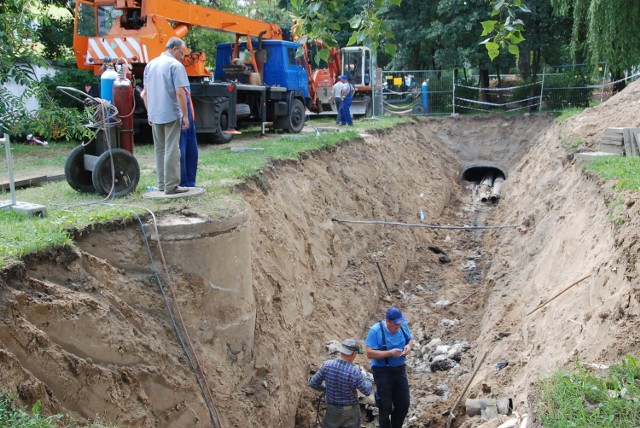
[(453, 93), (604, 76), (542, 88), (12, 185), (382, 276)]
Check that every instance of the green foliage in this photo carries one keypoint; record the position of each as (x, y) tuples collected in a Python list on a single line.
[(569, 89), (505, 31), (582, 399), (67, 75), (324, 20), (603, 31), (13, 416)]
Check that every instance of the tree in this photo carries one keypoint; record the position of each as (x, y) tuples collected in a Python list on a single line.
[(323, 20), (16, 56), (505, 31), (604, 31)]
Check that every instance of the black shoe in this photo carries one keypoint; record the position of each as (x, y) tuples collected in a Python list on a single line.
[(175, 190)]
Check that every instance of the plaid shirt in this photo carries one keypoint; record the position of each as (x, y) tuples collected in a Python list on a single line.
[(341, 379)]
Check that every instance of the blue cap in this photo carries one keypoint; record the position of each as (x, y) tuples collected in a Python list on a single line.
[(395, 315), (344, 76)]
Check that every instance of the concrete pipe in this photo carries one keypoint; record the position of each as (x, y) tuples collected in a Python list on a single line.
[(495, 192), (484, 193), (489, 408)]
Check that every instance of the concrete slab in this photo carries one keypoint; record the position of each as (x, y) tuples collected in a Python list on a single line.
[(157, 194), (25, 208)]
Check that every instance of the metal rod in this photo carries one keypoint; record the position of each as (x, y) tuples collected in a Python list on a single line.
[(382, 276), (557, 295), (451, 412), (12, 184)]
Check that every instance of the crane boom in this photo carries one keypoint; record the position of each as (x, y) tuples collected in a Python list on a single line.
[(138, 30)]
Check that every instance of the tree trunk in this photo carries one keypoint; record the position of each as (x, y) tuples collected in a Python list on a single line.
[(525, 63)]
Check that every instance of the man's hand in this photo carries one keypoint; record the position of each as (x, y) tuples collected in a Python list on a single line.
[(397, 352), (185, 122)]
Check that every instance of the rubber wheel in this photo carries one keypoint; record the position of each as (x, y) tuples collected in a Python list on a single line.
[(221, 119), (297, 115), (419, 109), (77, 176), (126, 177)]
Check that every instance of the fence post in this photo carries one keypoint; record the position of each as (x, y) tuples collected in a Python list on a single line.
[(604, 76), (453, 93), (544, 67)]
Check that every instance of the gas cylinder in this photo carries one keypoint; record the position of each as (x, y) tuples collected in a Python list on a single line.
[(106, 83), (425, 96), (123, 101)]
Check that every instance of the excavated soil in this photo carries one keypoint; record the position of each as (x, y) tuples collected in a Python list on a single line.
[(89, 335)]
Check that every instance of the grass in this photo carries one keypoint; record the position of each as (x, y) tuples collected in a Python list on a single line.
[(582, 399), (219, 169), (569, 112), (624, 170)]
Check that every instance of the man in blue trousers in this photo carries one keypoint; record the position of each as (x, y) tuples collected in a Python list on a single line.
[(188, 148), (388, 343)]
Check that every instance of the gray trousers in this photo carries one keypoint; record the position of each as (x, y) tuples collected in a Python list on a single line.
[(342, 417), (166, 141), (338, 105)]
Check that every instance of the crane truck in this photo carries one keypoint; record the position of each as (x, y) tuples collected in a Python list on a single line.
[(257, 78)]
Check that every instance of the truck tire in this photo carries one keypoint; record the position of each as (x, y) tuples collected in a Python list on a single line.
[(221, 120), (297, 115)]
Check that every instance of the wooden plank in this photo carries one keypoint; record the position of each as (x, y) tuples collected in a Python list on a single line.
[(612, 149), (628, 150), (612, 141), (635, 143), (24, 182)]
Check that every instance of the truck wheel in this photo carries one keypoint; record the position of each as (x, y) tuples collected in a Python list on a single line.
[(295, 120), (221, 120), (78, 178), (126, 177)]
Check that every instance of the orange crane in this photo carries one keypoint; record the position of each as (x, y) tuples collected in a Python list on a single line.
[(138, 30)]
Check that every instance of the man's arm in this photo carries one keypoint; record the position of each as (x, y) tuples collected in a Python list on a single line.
[(143, 94), (182, 102), (374, 354), (364, 385), (316, 380)]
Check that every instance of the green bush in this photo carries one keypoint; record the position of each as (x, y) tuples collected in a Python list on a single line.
[(582, 399), (70, 76), (13, 416)]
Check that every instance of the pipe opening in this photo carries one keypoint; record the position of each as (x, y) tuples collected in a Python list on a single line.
[(487, 178)]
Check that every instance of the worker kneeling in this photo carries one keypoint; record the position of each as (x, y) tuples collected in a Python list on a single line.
[(341, 380)]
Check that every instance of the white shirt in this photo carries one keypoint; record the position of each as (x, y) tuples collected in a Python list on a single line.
[(337, 89)]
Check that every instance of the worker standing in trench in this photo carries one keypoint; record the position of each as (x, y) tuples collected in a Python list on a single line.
[(388, 343), (341, 380)]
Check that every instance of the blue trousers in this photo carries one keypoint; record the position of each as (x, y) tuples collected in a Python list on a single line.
[(188, 153), (345, 111), (392, 395)]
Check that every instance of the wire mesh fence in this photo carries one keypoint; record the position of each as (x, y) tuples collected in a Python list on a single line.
[(434, 92)]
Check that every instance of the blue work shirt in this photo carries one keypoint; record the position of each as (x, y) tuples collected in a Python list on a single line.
[(394, 341), (341, 380)]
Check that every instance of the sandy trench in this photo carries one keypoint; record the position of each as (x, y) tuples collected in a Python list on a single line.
[(90, 336)]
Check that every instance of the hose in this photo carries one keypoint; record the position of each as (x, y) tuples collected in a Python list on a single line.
[(427, 226)]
